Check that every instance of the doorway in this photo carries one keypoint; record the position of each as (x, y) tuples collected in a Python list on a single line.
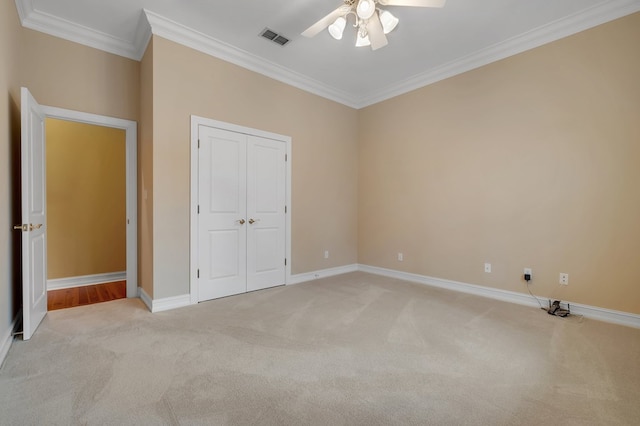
[(33, 199), (130, 156), (86, 213)]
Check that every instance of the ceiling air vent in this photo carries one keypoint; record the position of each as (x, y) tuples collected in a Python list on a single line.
[(274, 37)]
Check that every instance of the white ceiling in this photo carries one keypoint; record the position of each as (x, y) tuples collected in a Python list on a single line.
[(428, 44)]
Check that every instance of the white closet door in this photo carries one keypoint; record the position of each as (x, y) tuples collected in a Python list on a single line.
[(222, 228), (266, 231)]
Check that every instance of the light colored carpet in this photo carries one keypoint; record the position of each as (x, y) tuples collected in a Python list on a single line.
[(357, 349)]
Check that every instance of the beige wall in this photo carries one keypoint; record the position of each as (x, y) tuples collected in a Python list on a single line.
[(69, 75), (9, 239), (324, 151), (86, 199), (145, 174), (532, 161)]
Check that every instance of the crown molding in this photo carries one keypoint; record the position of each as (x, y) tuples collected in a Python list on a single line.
[(152, 23), (23, 7), (181, 34), (143, 36), (37, 20), (589, 18)]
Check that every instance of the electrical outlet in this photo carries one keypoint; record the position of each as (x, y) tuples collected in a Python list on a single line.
[(400, 257), (564, 279), (326, 254), (487, 267), (527, 271)]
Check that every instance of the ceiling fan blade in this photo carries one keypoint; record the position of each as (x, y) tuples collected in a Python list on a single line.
[(414, 3), (324, 22), (376, 34)]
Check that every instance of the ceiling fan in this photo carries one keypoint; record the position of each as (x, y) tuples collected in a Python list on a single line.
[(371, 22)]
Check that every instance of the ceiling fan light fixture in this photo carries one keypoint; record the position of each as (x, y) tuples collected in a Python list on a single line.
[(389, 22), (365, 9), (337, 28), (362, 41), (372, 22)]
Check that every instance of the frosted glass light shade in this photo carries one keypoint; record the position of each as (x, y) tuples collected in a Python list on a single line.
[(362, 41), (389, 22), (337, 28), (365, 9)]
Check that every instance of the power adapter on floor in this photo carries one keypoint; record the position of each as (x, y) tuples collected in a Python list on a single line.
[(555, 309)]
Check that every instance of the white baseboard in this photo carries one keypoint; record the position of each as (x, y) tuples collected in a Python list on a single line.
[(145, 299), (6, 340), (165, 304), (322, 273), (594, 312), (83, 280)]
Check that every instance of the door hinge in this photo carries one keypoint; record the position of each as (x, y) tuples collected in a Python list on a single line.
[(198, 208), (198, 273), (198, 143), (286, 157), (285, 209), (285, 261)]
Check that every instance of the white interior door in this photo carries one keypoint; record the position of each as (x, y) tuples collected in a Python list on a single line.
[(34, 227), (266, 200), (222, 207)]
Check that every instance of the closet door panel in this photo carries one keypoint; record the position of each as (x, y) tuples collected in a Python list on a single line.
[(266, 231), (222, 234)]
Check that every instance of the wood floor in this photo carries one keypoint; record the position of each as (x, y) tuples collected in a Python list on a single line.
[(86, 295)]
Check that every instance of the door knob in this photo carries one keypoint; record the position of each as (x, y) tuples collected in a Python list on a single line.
[(20, 227), (32, 226), (252, 221), (241, 221)]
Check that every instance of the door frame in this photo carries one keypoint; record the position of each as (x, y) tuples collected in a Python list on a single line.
[(197, 121), (131, 143)]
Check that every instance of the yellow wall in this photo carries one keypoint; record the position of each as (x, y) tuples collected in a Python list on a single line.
[(533, 161), (86, 199), (324, 163)]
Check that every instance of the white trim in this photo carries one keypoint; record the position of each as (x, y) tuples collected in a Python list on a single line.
[(169, 303), (588, 18), (58, 27), (193, 212), (142, 37), (84, 280), (7, 339), (131, 136), (151, 22), (24, 7), (178, 33), (146, 299), (165, 304), (606, 315), (288, 215), (197, 121), (601, 314), (321, 273)]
